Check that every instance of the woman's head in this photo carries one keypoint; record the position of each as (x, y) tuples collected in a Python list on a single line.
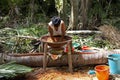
[(56, 21)]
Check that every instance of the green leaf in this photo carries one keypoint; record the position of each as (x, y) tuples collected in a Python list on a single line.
[(12, 69)]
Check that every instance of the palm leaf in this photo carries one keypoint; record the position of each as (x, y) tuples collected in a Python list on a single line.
[(12, 69)]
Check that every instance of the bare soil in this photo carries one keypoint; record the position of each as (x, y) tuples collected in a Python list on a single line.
[(61, 73)]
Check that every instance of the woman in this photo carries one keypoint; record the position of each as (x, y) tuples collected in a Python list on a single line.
[(56, 29)]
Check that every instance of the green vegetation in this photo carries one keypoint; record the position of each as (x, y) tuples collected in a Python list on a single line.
[(17, 40), (104, 12), (11, 70), (22, 21), (93, 41)]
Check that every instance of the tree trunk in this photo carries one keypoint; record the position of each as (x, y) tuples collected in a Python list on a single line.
[(63, 12), (84, 8), (17, 10), (78, 59), (74, 14), (31, 12)]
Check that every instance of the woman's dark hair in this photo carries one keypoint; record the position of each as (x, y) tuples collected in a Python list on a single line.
[(56, 21)]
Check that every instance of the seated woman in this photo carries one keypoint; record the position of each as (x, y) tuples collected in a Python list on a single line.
[(56, 29)]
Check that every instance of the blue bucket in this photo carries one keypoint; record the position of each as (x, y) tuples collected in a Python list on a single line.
[(114, 63)]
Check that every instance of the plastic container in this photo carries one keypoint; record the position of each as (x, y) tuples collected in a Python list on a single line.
[(76, 45), (102, 72), (114, 63)]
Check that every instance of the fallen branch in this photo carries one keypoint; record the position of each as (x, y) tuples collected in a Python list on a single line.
[(83, 32), (28, 37)]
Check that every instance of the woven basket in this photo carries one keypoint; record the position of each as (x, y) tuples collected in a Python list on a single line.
[(55, 44)]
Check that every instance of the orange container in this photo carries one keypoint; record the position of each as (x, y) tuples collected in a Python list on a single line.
[(102, 72)]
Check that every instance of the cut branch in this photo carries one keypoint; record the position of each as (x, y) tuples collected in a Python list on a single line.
[(27, 37), (82, 32)]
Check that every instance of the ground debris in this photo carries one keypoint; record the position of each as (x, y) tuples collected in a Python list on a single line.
[(60, 73)]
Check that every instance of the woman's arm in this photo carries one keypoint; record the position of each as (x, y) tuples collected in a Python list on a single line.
[(51, 33), (63, 29)]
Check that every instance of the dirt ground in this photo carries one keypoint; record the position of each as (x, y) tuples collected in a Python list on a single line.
[(62, 73), (59, 73)]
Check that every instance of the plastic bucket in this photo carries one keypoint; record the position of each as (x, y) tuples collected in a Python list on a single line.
[(114, 63), (102, 72)]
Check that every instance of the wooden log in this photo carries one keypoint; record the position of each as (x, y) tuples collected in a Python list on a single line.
[(83, 32), (36, 59), (29, 59)]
